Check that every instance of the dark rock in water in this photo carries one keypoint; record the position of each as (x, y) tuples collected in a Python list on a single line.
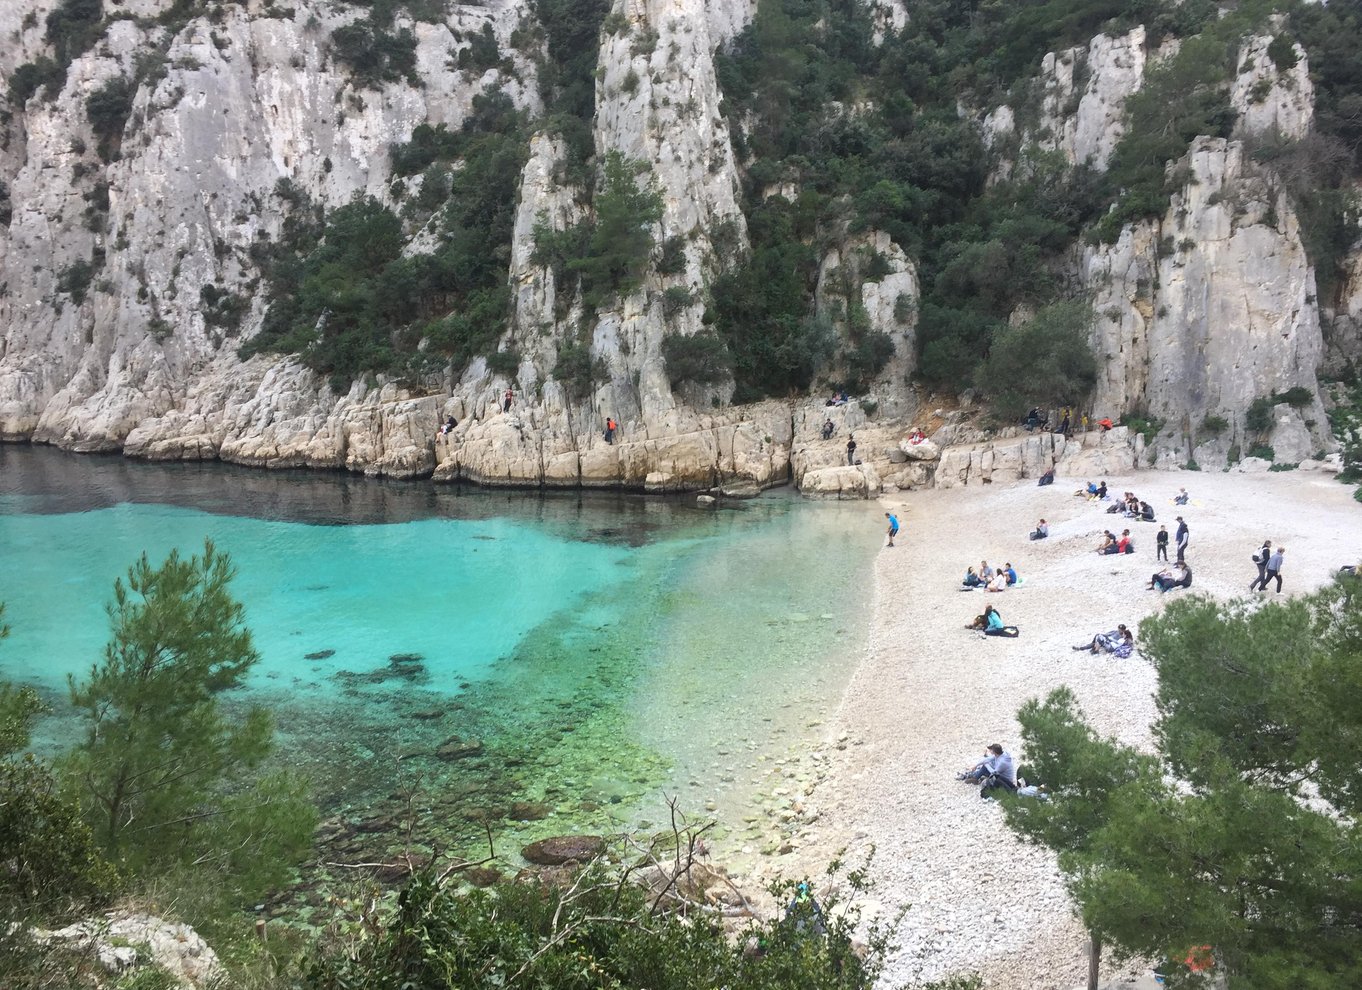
[(560, 849), (455, 748), (429, 715), (319, 655), (383, 823), (528, 811), (481, 876), (553, 877), (405, 658), (407, 670)]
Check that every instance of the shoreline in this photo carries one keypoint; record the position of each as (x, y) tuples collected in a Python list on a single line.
[(928, 695)]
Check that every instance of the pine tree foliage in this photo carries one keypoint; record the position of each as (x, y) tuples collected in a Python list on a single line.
[(1241, 831)]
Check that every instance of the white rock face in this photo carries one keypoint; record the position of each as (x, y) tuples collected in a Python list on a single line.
[(114, 941), (888, 16), (1084, 97), (1269, 100), (1210, 308)]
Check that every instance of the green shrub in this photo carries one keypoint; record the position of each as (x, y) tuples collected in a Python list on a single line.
[(1258, 418), (1282, 51), (73, 27), (1215, 424), (1191, 465), (701, 358), (504, 363), (577, 370), (107, 109), (675, 300), (1263, 451), (1046, 361), (374, 54), (1283, 467), (40, 74), (1298, 397), (74, 280)]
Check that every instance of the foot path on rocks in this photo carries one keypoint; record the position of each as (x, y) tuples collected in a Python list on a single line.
[(929, 695)]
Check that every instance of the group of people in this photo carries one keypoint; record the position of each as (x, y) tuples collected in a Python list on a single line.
[(1133, 507), (1165, 580), (1111, 543), (989, 578), (1269, 563), (1119, 642)]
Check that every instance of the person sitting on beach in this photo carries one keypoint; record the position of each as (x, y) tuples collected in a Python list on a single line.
[(827, 429), (1011, 573), (1116, 507), (996, 768), (972, 580), (1108, 542), (1146, 512), (985, 572), (1048, 478), (1102, 491), (1042, 531), (1181, 497), (1183, 577), (1090, 490), (1160, 580), (1124, 544), (999, 581), (1119, 642)]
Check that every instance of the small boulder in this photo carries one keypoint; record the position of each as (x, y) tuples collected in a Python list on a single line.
[(319, 655), (1254, 465), (528, 811), (458, 748), (560, 849), (705, 500), (400, 658), (481, 876)]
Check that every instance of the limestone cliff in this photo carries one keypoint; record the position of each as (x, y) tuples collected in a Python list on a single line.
[(131, 253)]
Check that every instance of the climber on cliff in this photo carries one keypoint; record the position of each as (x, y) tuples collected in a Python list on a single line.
[(506, 400), (827, 429), (851, 449)]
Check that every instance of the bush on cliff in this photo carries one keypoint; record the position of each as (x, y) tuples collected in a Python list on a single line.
[(1046, 361)]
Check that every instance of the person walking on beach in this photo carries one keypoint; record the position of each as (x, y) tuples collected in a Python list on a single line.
[(1274, 569), (893, 526), (851, 449), (1183, 536), (1161, 544), (1260, 557)]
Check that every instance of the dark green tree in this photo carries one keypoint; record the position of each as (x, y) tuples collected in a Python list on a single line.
[(1240, 832), (167, 776), (1046, 361)]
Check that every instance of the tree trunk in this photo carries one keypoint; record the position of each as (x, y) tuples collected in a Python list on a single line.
[(1094, 960)]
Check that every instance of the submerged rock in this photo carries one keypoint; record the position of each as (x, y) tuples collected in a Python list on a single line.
[(319, 655), (528, 811), (560, 849), (456, 748), (398, 658), (482, 876)]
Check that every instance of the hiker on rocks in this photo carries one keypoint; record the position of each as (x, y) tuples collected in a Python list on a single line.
[(851, 449), (893, 526), (1181, 497), (448, 426), (827, 429), (1119, 642), (1064, 424), (1182, 538), (1274, 569), (610, 428), (1161, 545), (997, 769), (1260, 557), (1042, 531), (1032, 420), (1105, 424), (506, 401)]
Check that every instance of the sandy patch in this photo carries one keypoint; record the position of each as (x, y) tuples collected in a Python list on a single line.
[(929, 695)]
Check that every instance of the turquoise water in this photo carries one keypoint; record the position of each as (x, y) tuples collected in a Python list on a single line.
[(590, 655)]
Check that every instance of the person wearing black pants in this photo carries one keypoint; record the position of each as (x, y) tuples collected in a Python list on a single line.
[(1183, 537), (1261, 558), (1274, 569), (851, 450), (1161, 545)]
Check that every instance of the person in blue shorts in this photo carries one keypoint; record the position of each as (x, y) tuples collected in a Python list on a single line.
[(893, 526)]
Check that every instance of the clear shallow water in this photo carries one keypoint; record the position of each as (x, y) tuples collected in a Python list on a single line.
[(593, 652)]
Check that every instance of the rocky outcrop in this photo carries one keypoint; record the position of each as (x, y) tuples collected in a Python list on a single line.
[(1272, 100), (122, 943), (1081, 94), (1209, 309)]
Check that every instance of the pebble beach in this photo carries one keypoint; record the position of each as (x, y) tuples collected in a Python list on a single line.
[(929, 695)]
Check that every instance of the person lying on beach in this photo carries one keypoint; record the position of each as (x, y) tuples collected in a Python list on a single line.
[(1042, 531), (1180, 577), (1119, 642)]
